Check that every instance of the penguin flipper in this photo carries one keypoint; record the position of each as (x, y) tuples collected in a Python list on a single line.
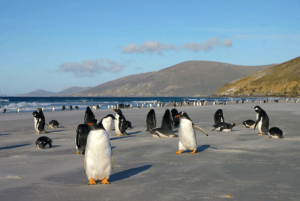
[(200, 129)]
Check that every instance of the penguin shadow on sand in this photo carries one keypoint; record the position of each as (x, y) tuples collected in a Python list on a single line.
[(203, 148), (3, 134), (55, 131), (128, 173), (13, 146)]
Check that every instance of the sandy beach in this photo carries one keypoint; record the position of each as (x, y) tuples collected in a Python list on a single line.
[(236, 165)]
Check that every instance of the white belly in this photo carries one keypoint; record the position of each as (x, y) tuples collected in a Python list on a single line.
[(117, 125), (107, 125), (187, 140), (36, 124), (98, 163), (259, 126)]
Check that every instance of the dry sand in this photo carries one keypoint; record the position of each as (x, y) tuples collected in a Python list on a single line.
[(237, 165)]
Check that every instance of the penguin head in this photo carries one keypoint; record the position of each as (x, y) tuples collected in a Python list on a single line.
[(183, 115), (118, 111), (257, 109), (94, 126), (220, 112), (36, 114), (233, 125)]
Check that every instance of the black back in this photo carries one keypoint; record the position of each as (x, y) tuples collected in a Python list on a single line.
[(218, 116), (167, 120), (41, 142), (76, 107), (81, 136), (63, 108), (175, 119), (70, 107), (89, 115), (150, 120), (42, 120), (274, 131), (262, 115), (54, 122)]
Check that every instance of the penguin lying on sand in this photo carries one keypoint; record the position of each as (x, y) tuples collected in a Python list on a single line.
[(43, 141), (53, 124), (150, 120), (223, 126), (187, 135), (262, 122), (120, 123), (82, 132), (165, 131), (98, 161), (249, 123), (276, 133)]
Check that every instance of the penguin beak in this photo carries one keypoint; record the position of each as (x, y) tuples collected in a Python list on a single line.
[(236, 124), (114, 109), (177, 116)]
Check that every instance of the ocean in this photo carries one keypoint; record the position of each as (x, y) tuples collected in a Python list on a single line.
[(29, 104)]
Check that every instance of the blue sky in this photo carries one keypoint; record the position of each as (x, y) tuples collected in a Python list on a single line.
[(53, 45)]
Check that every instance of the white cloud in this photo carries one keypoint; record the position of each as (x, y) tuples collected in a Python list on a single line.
[(89, 68), (158, 47)]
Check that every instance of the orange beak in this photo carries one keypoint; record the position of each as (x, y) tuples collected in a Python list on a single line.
[(90, 124), (177, 116)]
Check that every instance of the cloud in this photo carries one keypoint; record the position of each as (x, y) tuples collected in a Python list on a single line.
[(148, 47), (89, 68), (209, 44), (158, 47)]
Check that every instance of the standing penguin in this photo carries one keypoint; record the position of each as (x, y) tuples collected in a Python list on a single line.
[(218, 116), (167, 120), (107, 123), (262, 121), (150, 120), (175, 119), (82, 132), (187, 136), (98, 159), (39, 121), (89, 115), (120, 123), (63, 108)]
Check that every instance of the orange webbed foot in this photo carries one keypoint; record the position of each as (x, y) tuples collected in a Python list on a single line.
[(92, 182), (192, 152), (178, 152), (104, 181)]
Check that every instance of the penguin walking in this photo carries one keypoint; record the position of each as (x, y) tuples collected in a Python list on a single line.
[(63, 108), (70, 107), (249, 123), (224, 126), (187, 135), (98, 155), (219, 116), (262, 122), (39, 121), (120, 123), (107, 123), (82, 132), (175, 119), (43, 142), (53, 124), (275, 132), (150, 120), (89, 115)]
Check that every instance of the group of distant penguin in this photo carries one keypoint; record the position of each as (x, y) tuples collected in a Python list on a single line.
[(93, 137)]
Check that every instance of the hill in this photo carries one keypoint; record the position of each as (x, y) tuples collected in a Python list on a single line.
[(40, 93), (190, 78), (66, 92), (279, 80)]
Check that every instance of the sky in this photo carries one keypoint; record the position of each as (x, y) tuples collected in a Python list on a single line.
[(54, 45)]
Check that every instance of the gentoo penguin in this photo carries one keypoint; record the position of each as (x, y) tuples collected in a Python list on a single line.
[(175, 119), (107, 123), (89, 115), (187, 135), (18, 110), (165, 131), (275, 132), (224, 126), (98, 159), (150, 120), (43, 141), (218, 116), (63, 108), (53, 108), (76, 107), (70, 107), (249, 123), (53, 124), (120, 123), (4, 111), (39, 121), (262, 121), (82, 132)]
